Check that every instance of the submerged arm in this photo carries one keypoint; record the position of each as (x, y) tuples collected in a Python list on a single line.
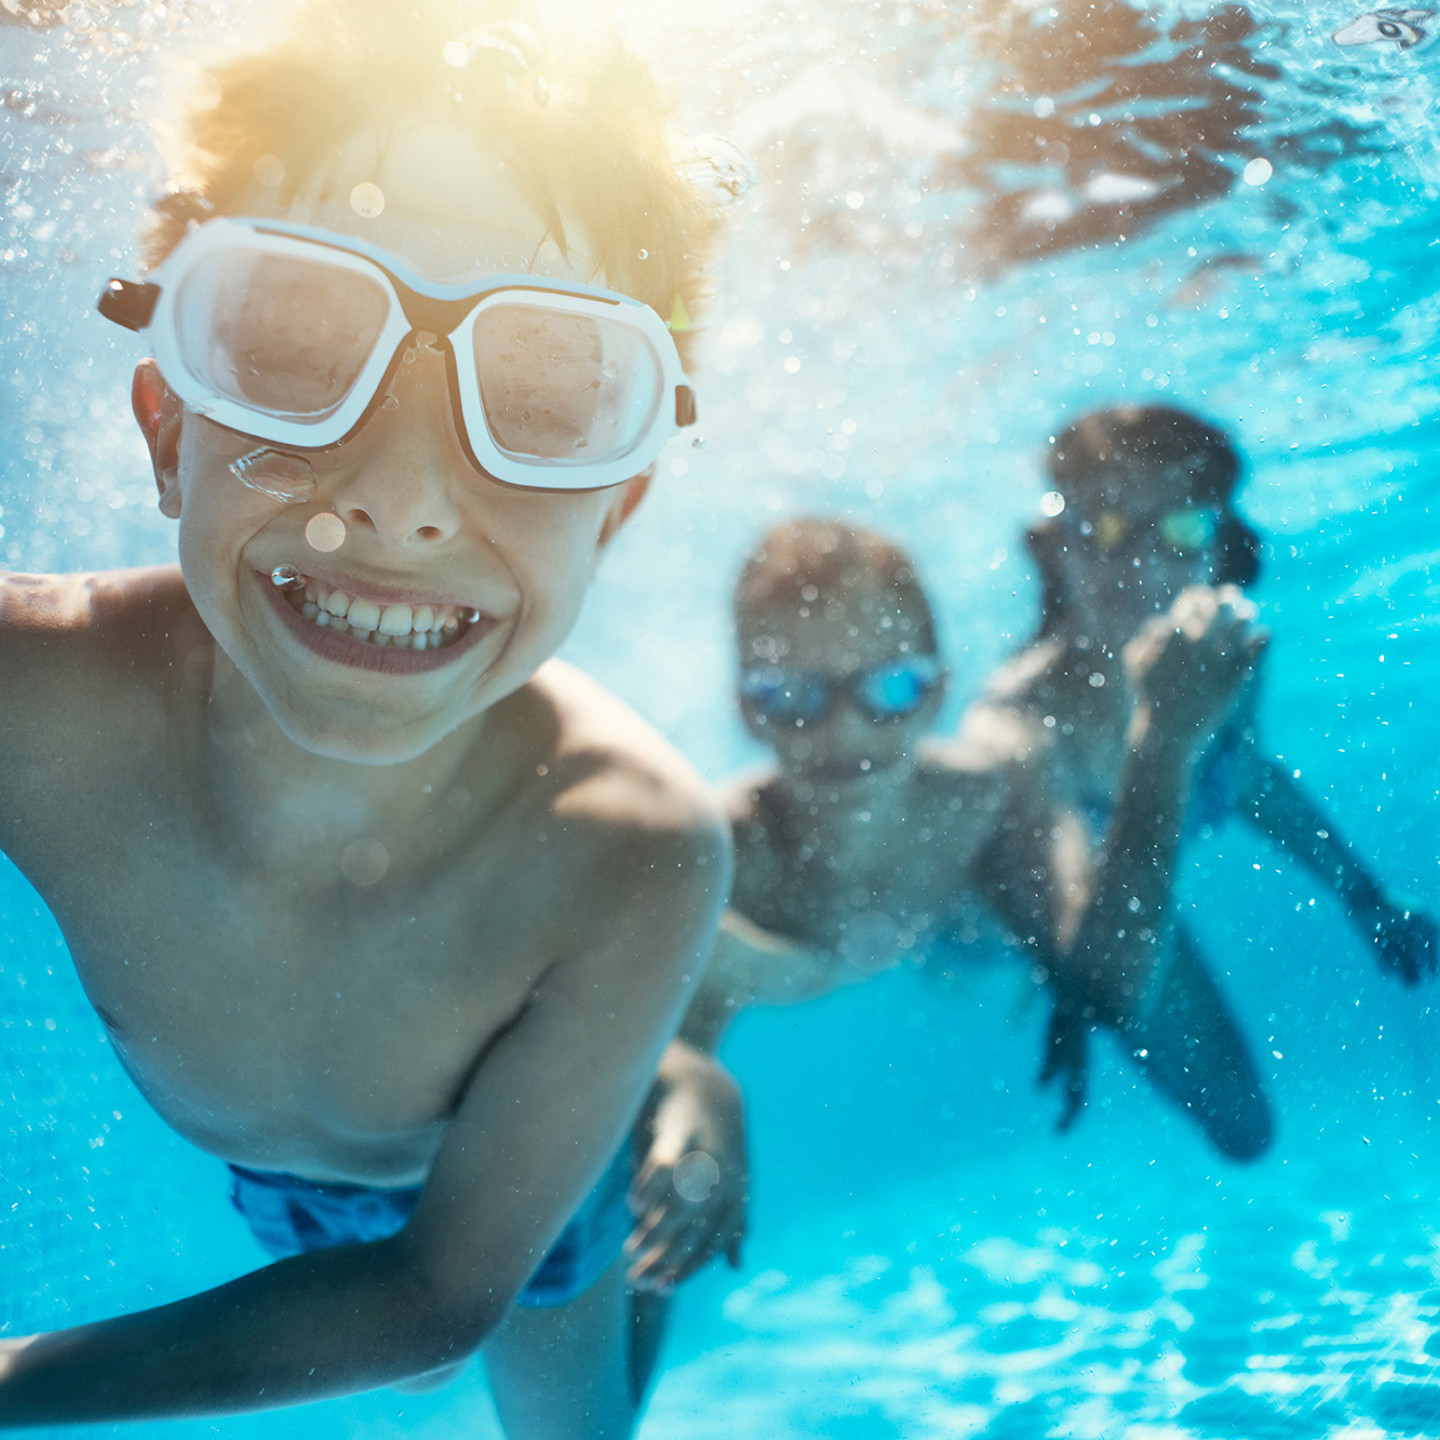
[(1405, 936), (544, 1112)]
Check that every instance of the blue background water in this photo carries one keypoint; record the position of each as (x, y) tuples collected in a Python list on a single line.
[(926, 1258)]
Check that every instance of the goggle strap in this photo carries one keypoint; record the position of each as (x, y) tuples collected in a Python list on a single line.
[(128, 302)]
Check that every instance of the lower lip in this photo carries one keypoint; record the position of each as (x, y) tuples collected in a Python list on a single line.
[(357, 654)]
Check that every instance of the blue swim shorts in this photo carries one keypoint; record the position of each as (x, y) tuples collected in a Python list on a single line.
[(290, 1216)]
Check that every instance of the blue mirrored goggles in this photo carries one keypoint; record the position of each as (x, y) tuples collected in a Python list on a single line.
[(889, 691), (292, 335)]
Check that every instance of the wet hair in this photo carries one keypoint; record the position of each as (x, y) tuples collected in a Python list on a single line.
[(1093, 448), (1099, 447), (588, 135), (810, 562)]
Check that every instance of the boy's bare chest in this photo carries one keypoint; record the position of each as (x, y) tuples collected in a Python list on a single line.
[(320, 1023), (913, 868)]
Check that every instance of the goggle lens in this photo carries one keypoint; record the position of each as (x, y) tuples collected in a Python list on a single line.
[(561, 389), (784, 697), (893, 690), (276, 333), (883, 692), (1188, 531)]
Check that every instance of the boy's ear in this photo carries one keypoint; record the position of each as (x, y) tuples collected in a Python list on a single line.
[(627, 497), (159, 413)]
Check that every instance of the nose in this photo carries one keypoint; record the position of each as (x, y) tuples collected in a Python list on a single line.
[(402, 479)]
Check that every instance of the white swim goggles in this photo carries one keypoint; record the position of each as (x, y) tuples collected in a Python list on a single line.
[(291, 334)]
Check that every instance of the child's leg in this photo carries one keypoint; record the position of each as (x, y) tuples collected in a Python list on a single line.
[(1193, 1051), (649, 1314), (563, 1372)]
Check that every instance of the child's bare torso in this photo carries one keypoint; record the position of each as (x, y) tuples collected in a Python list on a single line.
[(277, 1001), (909, 861)]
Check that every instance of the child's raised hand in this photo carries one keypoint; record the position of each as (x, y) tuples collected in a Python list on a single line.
[(1189, 665), (689, 1195)]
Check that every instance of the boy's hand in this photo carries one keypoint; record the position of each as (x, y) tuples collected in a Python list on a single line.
[(1406, 937), (690, 1193), (1189, 666)]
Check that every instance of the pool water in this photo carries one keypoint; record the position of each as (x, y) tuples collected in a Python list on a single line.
[(927, 1257)]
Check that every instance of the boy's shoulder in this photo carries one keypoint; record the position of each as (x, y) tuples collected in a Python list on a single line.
[(610, 778), (117, 613), (71, 640)]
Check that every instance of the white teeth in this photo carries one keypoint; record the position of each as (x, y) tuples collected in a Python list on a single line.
[(395, 620), (408, 627), (363, 615)]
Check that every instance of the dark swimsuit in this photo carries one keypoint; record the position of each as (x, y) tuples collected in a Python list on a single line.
[(290, 1216)]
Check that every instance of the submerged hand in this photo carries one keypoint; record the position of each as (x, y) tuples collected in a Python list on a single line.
[(1406, 937), (1189, 666), (690, 1194)]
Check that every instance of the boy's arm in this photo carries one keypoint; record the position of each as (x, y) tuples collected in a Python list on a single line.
[(549, 1104), (751, 965), (1405, 936), (692, 1187), (690, 1194), (1101, 924)]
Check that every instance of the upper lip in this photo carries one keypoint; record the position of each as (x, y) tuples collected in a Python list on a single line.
[(382, 592)]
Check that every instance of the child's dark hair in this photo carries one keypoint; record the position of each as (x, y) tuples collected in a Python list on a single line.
[(810, 562), (1100, 446)]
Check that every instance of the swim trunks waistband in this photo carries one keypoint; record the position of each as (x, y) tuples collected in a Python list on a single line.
[(290, 1216)]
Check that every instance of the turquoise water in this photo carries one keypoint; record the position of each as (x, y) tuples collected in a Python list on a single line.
[(927, 1258)]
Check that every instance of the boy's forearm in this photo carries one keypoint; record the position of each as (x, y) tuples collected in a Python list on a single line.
[(330, 1323), (1125, 930)]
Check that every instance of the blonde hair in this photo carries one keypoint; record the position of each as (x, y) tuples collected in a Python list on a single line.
[(589, 136)]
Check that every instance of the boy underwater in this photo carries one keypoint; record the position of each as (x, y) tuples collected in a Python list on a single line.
[(869, 840), (377, 902)]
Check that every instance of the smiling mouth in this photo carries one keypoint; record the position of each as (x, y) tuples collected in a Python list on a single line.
[(398, 627)]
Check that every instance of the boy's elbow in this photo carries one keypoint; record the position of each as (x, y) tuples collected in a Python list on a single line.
[(440, 1321)]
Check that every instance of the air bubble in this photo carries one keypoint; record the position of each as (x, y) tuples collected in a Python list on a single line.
[(325, 532), (367, 200), (695, 1175), (720, 167), (276, 473), (365, 862)]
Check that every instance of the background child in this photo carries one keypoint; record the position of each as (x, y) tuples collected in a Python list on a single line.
[(1147, 518), (868, 841)]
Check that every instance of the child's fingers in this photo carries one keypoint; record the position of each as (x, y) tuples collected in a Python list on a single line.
[(651, 1186)]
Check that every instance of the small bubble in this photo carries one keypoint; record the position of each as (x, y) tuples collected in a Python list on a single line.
[(1052, 503), (364, 862), (855, 200), (1096, 679), (695, 1175), (325, 531), (456, 53), (644, 254), (269, 170), (367, 200), (1258, 171)]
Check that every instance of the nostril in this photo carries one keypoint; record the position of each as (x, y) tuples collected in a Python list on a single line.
[(430, 532), (359, 516)]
